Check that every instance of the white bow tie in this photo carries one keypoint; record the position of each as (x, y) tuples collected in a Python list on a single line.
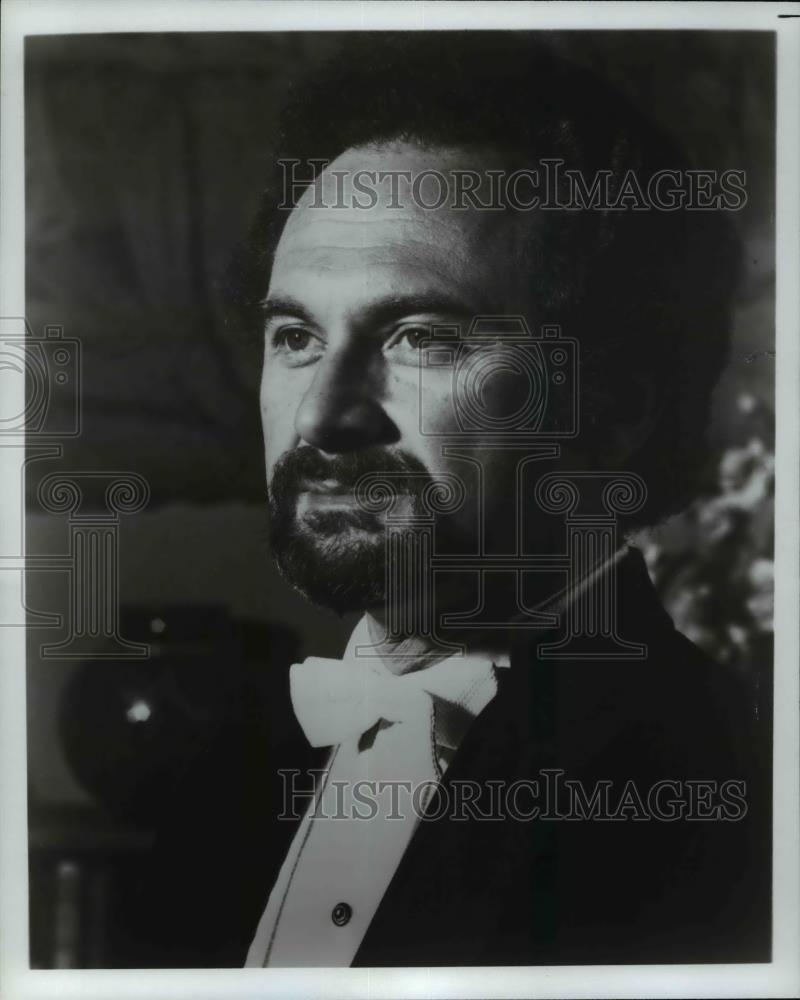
[(340, 700)]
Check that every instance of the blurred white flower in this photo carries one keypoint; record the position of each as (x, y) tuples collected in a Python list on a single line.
[(746, 402), (761, 603), (746, 475), (762, 574), (714, 520), (737, 635), (713, 563)]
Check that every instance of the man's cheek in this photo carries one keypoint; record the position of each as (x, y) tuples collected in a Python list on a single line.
[(436, 411), (278, 424), (475, 400)]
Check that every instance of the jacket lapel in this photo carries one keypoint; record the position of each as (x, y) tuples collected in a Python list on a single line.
[(472, 889), (449, 898)]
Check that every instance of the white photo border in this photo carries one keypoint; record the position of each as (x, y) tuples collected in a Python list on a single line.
[(779, 978)]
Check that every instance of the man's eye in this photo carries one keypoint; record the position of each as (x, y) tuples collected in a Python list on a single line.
[(411, 338), (297, 345), (293, 339), (406, 344)]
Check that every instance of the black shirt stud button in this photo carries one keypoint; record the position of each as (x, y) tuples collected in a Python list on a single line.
[(341, 914)]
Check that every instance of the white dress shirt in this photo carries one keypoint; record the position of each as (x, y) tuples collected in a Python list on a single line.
[(356, 831)]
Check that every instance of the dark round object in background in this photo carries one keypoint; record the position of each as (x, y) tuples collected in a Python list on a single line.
[(128, 727)]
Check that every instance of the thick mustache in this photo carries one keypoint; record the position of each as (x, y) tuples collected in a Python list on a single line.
[(302, 466)]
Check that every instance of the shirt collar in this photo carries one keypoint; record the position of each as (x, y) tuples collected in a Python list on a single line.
[(455, 709), (456, 704)]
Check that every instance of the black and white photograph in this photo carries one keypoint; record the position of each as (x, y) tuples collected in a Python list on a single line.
[(400, 545)]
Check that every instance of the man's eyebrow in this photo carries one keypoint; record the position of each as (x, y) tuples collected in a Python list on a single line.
[(395, 307), (284, 305), (381, 311)]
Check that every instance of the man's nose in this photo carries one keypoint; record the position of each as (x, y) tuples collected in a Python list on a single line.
[(342, 411)]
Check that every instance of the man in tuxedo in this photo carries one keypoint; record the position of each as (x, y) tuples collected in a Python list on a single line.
[(518, 759)]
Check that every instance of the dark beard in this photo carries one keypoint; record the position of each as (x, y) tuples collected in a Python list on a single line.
[(337, 558)]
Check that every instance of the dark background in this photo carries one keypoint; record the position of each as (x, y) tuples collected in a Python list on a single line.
[(145, 157)]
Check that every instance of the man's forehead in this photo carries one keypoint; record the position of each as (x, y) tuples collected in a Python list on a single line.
[(336, 227), (384, 194), (394, 165)]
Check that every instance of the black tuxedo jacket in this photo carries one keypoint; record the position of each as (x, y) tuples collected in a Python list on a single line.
[(507, 891)]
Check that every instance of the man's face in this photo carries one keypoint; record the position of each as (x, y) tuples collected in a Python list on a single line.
[(352, 292)]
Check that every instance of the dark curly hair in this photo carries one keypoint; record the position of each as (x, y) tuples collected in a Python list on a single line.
[(643, 291)]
